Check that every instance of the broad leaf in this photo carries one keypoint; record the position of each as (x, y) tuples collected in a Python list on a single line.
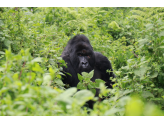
[(83, 96), (154, 75), (46, 80), (88, 75), (80, 77), (66, 95), (28, 13), (98, 81), (93, 91), (149, 26), (7, 43), (2, 69), (113, 25), (80, 85), (161, 34), (59, 82), (37, 68), (161, 47), (147, 94), (38, 59), (2, 52), (143, 41), (1, 23), (91, 85), (140, 71)]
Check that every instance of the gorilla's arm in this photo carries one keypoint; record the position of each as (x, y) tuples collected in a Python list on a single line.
[(101, 67), (70, 78)]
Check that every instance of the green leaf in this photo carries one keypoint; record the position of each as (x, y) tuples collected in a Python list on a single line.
[(28, 13), (27, 95), (66, 95), (80, 77), (143, 41), (159, 99), (140, 71), (88, 75), (154, 75), (161, 34), (3, 38), (46, 80), (91, 85), (1, 23), (98, 81), (7, 43), (147, 94), (149, 26), (7, 36), (69, 74), (1, 33), (123, 93), (162, 27), (93, 91), (129, 33), (4, 89), (80, 85), (59, 82), (161, 47), (46, 42), (38, 59), (83, 96), (103, 90), (128, 26), (2, 52), (112, 111), (113, 25), (2, 69), (37, 68), (25, 9)]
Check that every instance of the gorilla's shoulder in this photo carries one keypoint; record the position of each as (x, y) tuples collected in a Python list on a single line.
[(100, 57), (102, 61)]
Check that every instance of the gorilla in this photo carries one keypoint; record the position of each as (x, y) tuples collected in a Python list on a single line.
[(80, 57)]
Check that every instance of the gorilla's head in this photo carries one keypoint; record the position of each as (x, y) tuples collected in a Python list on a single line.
[(81, 54)]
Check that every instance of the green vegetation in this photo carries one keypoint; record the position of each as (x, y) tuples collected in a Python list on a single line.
[(32, 40)]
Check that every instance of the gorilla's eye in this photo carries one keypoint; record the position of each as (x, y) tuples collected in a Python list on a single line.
[(88, 56)]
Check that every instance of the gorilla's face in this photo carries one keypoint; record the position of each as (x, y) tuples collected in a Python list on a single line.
[(82, 57)]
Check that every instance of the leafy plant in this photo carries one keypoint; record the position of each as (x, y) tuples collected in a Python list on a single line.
[(32, 40), (86, 83)]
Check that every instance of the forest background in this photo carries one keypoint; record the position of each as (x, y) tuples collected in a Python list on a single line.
[(32, 40)]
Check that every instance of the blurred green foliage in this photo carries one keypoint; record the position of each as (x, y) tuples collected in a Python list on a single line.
[(31, 42)]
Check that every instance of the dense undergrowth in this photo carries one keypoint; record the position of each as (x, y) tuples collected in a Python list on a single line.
[(31, 42)]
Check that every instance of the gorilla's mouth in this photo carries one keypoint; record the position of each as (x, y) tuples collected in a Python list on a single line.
[(84, 66), (85, 69)]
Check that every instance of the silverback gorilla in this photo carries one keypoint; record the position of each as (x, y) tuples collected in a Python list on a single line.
[(80, 57)]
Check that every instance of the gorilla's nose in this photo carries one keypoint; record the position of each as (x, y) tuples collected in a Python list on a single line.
[(84, 64)]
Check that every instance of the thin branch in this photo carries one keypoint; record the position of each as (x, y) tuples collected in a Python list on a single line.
[(21, 70), (134, 54)]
